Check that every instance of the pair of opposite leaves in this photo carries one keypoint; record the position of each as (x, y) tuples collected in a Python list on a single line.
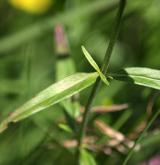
[(77, 82)]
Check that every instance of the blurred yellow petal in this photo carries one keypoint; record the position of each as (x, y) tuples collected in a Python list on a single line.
[(32, 6)]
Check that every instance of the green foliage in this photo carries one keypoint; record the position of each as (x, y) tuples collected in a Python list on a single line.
[(65, 128), (29, 64), (95, 66), (38, 29), (140, 76), (86, 158), (52, 95)]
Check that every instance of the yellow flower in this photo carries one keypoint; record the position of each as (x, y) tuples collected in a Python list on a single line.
[(32, 6)]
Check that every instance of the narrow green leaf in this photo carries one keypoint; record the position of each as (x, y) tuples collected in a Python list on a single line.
[(65, 128), (61, 71), (140, 76), (52, 95), (94, 64), (87, 158)]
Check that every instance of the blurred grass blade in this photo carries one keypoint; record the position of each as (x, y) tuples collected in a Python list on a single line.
[(40, 28), (94, 64), (63, 58), (65, 127), (86, 158), (12, 86), (52, 95), (108, 131), (122, 119), (140, 76)]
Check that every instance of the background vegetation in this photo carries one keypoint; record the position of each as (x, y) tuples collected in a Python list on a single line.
[(28, 64)]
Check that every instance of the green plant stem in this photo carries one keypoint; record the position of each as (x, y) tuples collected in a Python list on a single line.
[(140, 137), (97, 84)]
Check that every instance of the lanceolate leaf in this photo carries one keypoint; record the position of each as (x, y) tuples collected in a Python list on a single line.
[(94, 64), (140, 76), (52, 95), (65, 127), (87, 158)]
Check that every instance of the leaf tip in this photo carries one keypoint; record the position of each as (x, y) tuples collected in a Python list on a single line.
[(83, 49)]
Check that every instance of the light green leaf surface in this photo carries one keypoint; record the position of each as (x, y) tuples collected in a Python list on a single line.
[(65, 127), (52, 95), (61, 73), (94, 64), (140, 76), (86, 158)]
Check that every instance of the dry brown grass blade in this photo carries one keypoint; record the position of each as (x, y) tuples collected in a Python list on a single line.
[(117, 139), (112, 108), (105, 129), (89, 140), (137, 131), (105, 109)]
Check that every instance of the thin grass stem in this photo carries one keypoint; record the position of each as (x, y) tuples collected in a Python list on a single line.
[(140, 137)]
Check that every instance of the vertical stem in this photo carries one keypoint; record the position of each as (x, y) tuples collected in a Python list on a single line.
[(114, 36), (97, 84)]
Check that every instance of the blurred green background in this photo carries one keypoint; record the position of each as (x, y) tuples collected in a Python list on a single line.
[(28, 65)]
